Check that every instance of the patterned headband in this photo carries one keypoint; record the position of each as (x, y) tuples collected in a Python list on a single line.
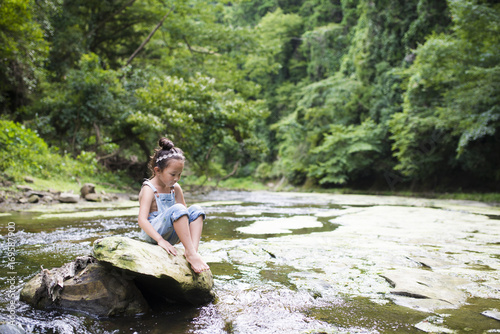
[(170, 155)]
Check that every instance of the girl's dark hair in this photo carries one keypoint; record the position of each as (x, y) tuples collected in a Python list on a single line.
[(163, 155)]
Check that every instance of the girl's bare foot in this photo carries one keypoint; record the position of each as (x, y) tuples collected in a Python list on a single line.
[(196, 262)]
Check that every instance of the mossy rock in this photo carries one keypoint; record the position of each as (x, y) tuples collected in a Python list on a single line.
[(155, 271)]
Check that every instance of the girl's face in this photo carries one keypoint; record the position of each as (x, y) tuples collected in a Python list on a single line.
[(172, 173)]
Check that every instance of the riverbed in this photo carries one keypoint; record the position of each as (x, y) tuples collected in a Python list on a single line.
[(286, 263)]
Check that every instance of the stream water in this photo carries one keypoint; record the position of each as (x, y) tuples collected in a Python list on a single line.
[(286, 263)]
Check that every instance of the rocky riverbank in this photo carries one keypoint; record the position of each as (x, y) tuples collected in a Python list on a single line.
[(24, 197)]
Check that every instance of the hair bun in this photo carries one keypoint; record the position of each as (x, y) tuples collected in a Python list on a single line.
[(165, 144)]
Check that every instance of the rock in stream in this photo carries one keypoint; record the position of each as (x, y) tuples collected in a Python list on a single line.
[(155, 270), (87, 286), (116, 279)]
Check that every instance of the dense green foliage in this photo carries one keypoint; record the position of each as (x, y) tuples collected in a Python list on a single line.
[(25, 153), (382, 94), (22, 52), (451, 107)]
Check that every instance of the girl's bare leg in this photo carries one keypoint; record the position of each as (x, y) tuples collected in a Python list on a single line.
[(182, 229), (196, 227)]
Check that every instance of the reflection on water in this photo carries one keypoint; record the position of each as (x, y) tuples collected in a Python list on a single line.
[(256, 290)]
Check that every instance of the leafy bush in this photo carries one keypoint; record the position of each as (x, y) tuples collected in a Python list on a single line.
[(21, 148), (25, 153), (345, 151)]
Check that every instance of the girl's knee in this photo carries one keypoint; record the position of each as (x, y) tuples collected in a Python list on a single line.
[(196, 211), (178, 211)]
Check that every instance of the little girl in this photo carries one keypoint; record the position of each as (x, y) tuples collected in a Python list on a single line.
[(163, 216)]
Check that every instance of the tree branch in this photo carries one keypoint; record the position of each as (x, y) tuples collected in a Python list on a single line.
[(198, 51), (148, 38), (235, 169), (107, 156)]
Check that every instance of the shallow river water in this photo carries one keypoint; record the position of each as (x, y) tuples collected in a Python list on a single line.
[(286, 263)]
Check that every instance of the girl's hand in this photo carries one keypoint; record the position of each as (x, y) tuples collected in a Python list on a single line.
[(167, 246)]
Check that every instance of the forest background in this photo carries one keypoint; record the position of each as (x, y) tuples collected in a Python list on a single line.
[(370, 95)]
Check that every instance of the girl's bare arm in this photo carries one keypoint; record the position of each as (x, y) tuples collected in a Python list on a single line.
[(179, 195), (146, 197)]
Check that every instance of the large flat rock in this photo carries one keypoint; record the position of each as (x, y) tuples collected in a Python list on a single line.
[(424, 289)]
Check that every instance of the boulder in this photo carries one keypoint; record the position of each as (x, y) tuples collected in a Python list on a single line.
[(87, 286), (87, 188), (68, 198), (155, 270), (93, 197), (38, 193), (33, 198), (29, 179), (24, 188), (47, 199)]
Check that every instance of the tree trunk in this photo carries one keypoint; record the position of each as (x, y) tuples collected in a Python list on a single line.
[(235, 169), (98, 140)]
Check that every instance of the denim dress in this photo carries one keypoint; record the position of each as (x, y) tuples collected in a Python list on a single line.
[(168, 212)]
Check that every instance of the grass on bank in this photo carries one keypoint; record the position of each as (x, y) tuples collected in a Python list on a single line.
[(75, 185), (24, 154), (71, 185)]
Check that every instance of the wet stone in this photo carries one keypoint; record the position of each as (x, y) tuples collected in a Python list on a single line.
[(68, 198), (86, 286), (29, 179), (87, 188), (24, 188), (33, 199), (38, 193), (23, 200), (47, 199), (93, 197), (494, 314)]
